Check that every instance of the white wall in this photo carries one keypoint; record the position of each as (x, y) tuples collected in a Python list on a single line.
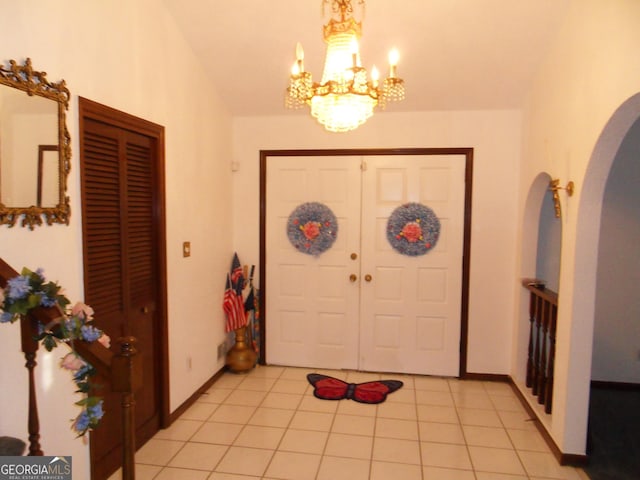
[(129, 55), (616, 337), (549, 241), (495, 137), (592, 69)]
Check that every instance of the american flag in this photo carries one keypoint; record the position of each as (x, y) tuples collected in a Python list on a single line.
[(233, 306), (237, 277)]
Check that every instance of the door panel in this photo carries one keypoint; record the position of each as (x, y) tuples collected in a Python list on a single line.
[(411, 309), (141, 268), (313, 319)]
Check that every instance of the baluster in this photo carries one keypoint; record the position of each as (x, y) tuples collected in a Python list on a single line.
[(536, 351), (532, 317), (543, 317), (552, 358), (30, 347), (542, 378)]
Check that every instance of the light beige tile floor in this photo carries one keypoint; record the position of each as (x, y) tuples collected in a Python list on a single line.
[(267, 424)]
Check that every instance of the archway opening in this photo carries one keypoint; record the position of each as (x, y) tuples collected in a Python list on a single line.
[(615, 370), (590, 231)]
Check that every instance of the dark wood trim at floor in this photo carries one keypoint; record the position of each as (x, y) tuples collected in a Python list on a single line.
[(633, 387), (563, 458), (192, 399), (569, 459), (486, 377)]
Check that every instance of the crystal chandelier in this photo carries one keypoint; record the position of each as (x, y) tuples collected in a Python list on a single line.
[(346, 97)]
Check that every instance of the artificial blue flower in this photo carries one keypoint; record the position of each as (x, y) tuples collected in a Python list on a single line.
[(82, 373), (96, 411), (18, 287), (71, 324), (26, 291), (89, 333), (46, 301), (82, 422)]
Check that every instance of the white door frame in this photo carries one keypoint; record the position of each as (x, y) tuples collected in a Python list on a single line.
[(467, 152)]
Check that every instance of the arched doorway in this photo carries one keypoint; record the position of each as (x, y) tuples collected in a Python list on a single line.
[(615, 372), (589, 231), (540, 259)]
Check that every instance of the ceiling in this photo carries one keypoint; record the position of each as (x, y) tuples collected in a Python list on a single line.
[(454, 54)]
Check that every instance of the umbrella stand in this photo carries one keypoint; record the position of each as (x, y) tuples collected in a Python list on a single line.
[(241, 357)]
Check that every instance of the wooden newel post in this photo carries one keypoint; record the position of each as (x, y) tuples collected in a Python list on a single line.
[(28, 330), (126, 375)]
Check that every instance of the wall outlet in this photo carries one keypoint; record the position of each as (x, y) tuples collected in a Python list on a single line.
[(186, 249)]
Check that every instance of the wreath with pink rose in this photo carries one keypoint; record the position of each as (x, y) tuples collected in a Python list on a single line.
[(413, 229), (312, 228)]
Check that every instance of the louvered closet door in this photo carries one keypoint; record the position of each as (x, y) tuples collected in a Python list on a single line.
[(120, 262)]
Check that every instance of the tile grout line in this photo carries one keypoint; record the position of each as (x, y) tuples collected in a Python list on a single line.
[(457, 403), (504, 426), (464, 435), (415, 404), (279, 377)]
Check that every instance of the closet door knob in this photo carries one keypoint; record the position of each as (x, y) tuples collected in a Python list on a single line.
[(353, 277), (368, 278)]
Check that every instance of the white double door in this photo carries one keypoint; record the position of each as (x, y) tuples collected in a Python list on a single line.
[(361, 304)]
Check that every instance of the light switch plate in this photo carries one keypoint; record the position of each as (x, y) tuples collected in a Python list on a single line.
[(186, 249)]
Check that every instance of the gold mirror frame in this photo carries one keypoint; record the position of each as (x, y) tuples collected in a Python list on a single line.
[(32, 82)]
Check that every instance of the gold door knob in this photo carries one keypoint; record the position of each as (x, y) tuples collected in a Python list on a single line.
[(353, 277), (145, 310), (368, 278), (354, 256)]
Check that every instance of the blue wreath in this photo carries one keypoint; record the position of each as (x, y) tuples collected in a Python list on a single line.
[(312, 228), (413, 229)]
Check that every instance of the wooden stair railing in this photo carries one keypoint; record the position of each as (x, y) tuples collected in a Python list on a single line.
[(541, 355), (123, 369)]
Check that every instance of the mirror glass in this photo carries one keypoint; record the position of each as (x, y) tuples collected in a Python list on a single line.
[(28, 129), (34, 147)]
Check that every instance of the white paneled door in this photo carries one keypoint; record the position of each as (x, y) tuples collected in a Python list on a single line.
[(361, 304), (313, 307)]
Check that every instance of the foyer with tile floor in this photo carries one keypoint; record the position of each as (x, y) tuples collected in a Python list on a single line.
[(267, 424)]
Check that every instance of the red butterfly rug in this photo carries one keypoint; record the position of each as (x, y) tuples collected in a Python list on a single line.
[(329, 388)]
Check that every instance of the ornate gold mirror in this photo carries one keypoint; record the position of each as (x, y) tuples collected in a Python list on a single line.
[(35, 147)]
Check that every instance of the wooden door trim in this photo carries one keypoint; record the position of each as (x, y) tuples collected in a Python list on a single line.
[(466, 249), (90, 110)]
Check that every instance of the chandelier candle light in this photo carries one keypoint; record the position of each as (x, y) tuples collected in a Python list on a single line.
[(346, 97)]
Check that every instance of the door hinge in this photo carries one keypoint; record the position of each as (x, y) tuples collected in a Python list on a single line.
[(363, 166)]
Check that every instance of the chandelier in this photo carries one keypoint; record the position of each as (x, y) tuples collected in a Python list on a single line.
[(346, 97)]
